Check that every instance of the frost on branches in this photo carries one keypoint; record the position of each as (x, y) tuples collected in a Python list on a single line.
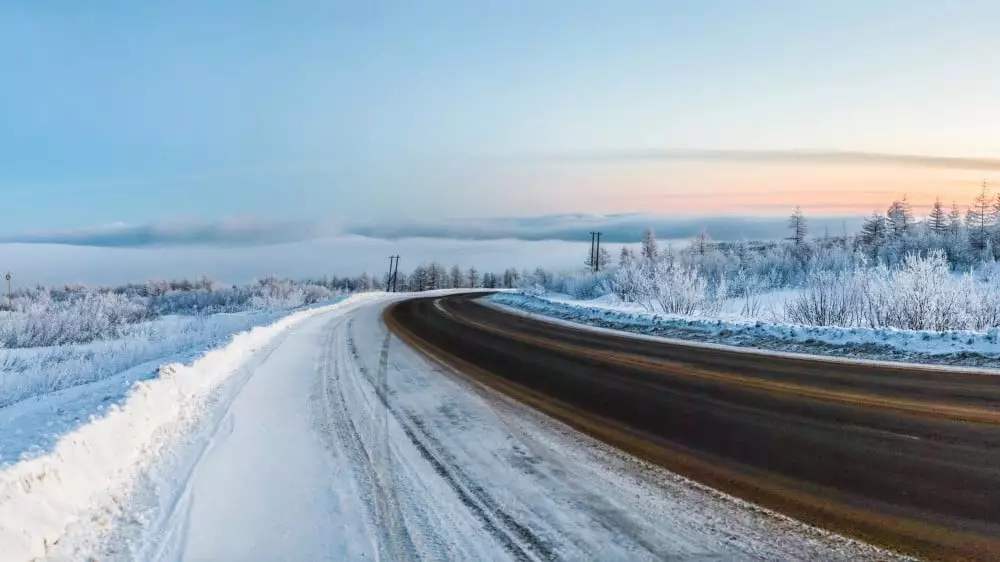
[(898, 272)]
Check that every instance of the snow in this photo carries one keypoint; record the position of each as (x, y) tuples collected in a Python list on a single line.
[(323, 437), (36, 371), (958, 347), (90, 470), (46, 392)]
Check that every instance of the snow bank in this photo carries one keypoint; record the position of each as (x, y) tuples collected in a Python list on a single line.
[(960, 347), (96, 464)]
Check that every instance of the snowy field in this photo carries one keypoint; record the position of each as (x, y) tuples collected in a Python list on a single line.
[(322, 437)]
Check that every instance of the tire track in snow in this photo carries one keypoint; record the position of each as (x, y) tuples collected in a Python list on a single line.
[(518, 540), (393, 541)]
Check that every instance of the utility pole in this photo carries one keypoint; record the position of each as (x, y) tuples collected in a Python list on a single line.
[(395, 273), (388, 280), (597, 253), (10, 302)]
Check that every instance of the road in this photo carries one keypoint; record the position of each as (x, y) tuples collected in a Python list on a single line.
[(336, 441), (904, 458)]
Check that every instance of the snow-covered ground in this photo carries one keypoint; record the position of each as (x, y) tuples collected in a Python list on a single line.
[(953, 347), (46, 392), (68, 451), (322, 437)]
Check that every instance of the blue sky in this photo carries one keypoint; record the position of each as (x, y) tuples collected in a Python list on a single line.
[(130, 112)]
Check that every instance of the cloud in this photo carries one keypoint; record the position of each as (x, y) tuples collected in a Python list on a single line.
[(615, 228), (237, 232), (620, 228), (817, 157)]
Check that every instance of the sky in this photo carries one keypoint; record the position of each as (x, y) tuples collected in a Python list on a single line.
[(128, 114)]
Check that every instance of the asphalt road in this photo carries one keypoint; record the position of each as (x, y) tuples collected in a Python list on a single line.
[(904, 458)]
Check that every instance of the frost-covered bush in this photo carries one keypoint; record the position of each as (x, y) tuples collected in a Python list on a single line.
[(677, 288), (920, 293), (76, 314), (827, 299), (630, 282), (587, 285), (927, 296), (49, 322)]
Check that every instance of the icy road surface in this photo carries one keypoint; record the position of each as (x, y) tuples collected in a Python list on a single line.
[(343, 444)]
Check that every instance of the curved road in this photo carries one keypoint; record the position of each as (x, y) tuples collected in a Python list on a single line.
[(904, 458)]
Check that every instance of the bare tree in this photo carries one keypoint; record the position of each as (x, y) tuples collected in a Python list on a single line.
[(473, 277)]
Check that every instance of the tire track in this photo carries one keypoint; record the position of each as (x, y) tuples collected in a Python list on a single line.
[(394, 541), (521, 542)]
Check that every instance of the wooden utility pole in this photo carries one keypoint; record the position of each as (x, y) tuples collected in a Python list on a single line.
[(597, 253), (395, 273), (10, 302)]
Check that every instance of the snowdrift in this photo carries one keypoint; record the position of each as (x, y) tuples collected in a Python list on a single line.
[(90, 471)]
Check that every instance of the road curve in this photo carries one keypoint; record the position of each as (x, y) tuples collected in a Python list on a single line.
[(908, 459)]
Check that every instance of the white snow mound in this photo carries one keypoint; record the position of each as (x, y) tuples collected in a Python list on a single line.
[(90, 471)]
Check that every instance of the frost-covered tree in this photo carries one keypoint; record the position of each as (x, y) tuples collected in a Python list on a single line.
[(702, 244), (436, 276), (797, 224), (510, 278), (954, 220), (591, 258), (900, 217), (366, 283), (937, 221), (980, 220), (473, 278), (624, 256), (455, 277), (603, 258), (418, 278), (650, 251), (873, 230), (540, 276)]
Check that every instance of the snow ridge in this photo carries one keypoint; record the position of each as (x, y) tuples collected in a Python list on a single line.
[(90, 472)]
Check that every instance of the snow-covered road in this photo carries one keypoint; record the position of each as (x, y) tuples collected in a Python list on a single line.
[(341, 443)]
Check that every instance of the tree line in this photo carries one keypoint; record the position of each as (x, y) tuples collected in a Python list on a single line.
[(433, 275)]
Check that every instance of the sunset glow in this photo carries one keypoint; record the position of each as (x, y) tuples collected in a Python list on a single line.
[(699, 189)]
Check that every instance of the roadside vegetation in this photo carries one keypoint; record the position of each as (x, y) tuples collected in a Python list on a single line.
[(940, 272)]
